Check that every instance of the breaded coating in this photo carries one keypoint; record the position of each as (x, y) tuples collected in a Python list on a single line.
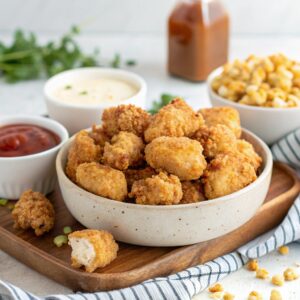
[(99, 136), (180, 156), (92, 249), (83, 149), (215, 140), (102, 180), (176, 119), (223, 115), (133, 175), (34, 210), (192, 192), (125, 118), (125, 150), (161, 189), (225, 174), (249, 153)]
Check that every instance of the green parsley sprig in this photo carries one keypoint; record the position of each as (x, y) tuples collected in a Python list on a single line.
[(164, 100)]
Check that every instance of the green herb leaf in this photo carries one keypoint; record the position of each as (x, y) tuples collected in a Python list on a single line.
[(68, 87), (164, 100), (83, 93), (116, 61), (130, 62), (3, 202)]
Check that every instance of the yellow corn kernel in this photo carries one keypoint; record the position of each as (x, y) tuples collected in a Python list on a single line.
[(254, 295), (216, 295), (262, 273), (278, 280), (228, 296), (252, 265), (275, 295), (216, 288), (284, 250), (290, 274)]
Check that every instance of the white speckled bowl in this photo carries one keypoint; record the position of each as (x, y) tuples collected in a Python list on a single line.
[(270, 124), (174, 225)]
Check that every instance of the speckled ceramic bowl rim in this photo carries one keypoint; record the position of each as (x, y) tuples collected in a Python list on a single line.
[(140, 82), (217, 72), (262, 176), (60, 130)]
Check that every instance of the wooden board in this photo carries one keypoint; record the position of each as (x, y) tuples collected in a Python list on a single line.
[(135, 264)]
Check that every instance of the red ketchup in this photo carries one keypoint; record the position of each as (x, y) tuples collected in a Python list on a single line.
[(25, 139)]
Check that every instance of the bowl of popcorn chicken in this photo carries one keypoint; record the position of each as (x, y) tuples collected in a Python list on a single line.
[(175, 178), (264, 90)]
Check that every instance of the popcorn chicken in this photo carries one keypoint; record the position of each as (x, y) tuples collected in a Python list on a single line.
[(124, 150), (176, 119), (161, 189), (192, 192), (82, 150), (215, 140), (224, 116), (125, 118), (102, 180), (179, 156), (133, 175), (260, 81), (34, 210), (248, 152), (226, 174), (92, 249)]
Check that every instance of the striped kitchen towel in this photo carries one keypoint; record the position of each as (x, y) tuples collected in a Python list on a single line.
[(184, 285)]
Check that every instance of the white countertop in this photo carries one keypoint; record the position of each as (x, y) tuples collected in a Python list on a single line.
[(150, 53)]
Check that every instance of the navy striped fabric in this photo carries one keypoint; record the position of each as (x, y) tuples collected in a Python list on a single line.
[(184, 285)]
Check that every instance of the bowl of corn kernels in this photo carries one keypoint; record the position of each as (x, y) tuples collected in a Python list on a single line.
[(265, 91)]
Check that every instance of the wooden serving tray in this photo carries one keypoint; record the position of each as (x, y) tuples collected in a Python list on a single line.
[(135, 264)]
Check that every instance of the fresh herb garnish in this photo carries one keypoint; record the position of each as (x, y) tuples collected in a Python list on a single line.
[(83, 93), (68, 87), (116, 62), (3, 202), (164, 100), (130, 62), (60, 240), (67, 229)]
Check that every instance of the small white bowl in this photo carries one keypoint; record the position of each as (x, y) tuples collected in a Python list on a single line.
[(173, 225), (76, 117), (268, 123), (35, 171)]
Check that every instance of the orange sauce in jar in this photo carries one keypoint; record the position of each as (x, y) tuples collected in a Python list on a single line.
[(198, 32)]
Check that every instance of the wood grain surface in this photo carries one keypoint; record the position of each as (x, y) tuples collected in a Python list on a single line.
[(135, 264)]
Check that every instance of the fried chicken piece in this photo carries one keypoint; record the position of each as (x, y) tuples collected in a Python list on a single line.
[(92, 249), (99, 136), (249, 153), (34, 210), (124, 150), (125, 118), (133, 175), (176, 119), (215, 140), (180, 156), (161, 189), (102, 180), (192, 192), (82, 150), (227, 173), (223, 115)]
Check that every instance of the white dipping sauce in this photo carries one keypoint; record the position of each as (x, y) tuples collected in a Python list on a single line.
[(95, 91)]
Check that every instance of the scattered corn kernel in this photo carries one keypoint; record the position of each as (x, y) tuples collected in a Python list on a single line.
[(216, 295), (290, 274), (228, 296), (255, 296), (252, 265), (262, 273), (275, 295), (216, 288), (278, 280), (283, 250)]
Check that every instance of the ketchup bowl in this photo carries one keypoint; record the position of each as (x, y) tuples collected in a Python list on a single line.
[(28, 148)]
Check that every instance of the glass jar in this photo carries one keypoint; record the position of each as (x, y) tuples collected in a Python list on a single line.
[(198, 33)]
